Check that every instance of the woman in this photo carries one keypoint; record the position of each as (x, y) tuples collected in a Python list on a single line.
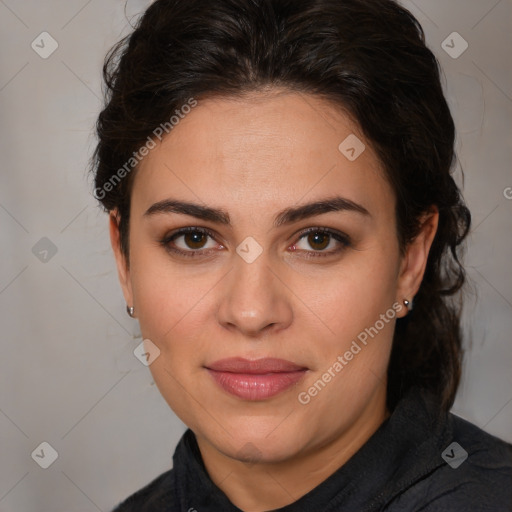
[(287, 233)]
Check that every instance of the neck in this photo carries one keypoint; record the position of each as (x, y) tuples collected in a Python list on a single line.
[(288, 480)]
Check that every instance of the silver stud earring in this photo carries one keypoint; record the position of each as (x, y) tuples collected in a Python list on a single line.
[(130, 310), (408, 304)]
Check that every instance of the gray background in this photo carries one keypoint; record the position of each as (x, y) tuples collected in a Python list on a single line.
[(68, 375)]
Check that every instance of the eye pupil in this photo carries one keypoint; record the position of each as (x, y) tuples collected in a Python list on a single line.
[(318, 238), (196, 237)]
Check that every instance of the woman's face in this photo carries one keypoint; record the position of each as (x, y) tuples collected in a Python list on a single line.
[(258, 280)]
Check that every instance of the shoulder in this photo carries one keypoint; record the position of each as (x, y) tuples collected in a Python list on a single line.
[(485, 449), (474, 473), (485, 460), (158, 495)]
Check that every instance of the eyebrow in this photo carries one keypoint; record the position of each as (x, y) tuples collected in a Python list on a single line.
[(286, 216)]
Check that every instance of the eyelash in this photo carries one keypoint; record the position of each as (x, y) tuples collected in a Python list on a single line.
[(342, 239)]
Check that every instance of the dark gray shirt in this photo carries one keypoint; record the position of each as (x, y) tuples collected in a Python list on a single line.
[(418, 460)]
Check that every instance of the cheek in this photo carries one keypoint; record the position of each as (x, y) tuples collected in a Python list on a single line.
[(163, 294), (352, 297), (175, 307), (352, 354), (172, 310)]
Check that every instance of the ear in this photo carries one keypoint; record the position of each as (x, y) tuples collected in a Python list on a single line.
[(123, 270), (414, 261)]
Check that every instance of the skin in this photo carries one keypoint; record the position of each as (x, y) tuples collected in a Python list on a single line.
[(253, 157)]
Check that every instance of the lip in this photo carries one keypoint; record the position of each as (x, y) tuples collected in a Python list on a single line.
[(255, 379)]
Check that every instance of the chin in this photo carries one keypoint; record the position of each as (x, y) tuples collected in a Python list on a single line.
[(257, 439), (252, 449)]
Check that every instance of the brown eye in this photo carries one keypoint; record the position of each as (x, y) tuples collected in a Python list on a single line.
[(319, 239), (189, 241), (195, 239)]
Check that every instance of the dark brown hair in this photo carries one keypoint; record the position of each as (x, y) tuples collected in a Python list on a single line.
[(366, 56)]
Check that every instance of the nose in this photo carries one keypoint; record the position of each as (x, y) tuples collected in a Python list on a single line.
[(255, 300)]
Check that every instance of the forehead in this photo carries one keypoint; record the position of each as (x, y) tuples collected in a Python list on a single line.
[(277, 147)]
